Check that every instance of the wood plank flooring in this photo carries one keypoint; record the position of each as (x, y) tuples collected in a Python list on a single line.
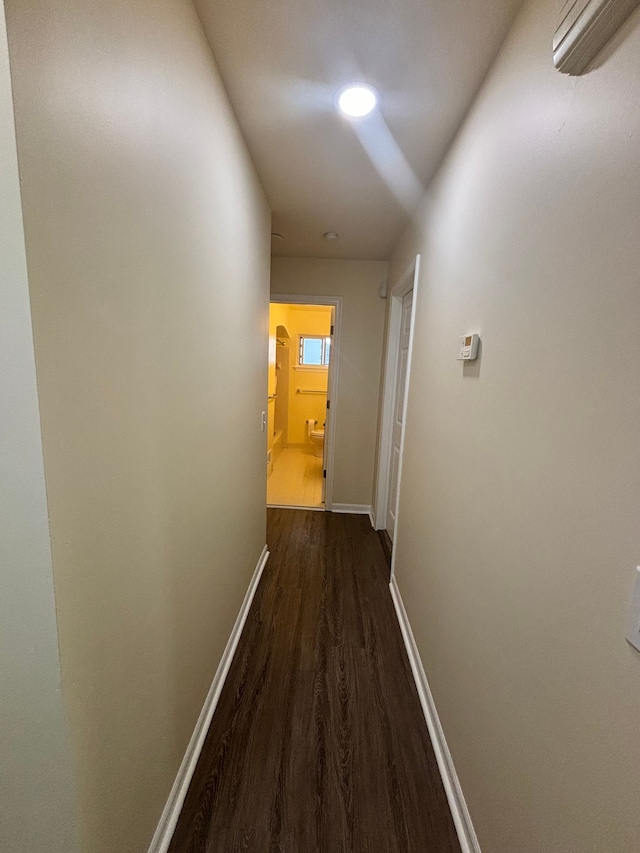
[(318, 744)]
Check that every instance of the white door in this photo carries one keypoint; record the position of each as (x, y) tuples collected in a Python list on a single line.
[(400, 386)]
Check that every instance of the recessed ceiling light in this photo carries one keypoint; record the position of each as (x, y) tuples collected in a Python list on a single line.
[(275, 236), (331, 235), (358, 100)]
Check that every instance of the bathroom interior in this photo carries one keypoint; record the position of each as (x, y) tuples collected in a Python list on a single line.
[(299, 353)]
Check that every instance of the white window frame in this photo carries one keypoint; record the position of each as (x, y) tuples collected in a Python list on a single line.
[(318, 367)]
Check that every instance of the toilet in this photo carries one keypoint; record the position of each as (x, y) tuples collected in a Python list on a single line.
[(316, 434)]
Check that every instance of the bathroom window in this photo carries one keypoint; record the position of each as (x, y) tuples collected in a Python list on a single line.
[(314, 351)]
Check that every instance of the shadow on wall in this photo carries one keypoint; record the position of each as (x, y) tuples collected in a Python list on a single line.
[(471, 369)]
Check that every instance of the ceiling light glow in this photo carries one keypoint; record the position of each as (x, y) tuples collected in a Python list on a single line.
[(358, 100)]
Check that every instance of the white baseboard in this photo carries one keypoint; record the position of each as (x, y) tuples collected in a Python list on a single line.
[(295, 506), (459, 811), (166, 827), (356, 509), (372, 517)]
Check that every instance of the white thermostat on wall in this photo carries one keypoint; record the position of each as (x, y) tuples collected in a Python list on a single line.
[(468, 349)]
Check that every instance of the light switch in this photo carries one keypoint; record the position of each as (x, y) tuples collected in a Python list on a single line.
[(632, 633)]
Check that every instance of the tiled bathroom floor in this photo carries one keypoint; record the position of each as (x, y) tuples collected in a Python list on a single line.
[(296, 479)]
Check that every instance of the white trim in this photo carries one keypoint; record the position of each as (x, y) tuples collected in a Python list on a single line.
[(356, 509), (311, 368), (372, 517), (405, 405), (169, 818), (332, 379), (295, 506), (584, 27), (407, 281), (388, 393), (459, 811)]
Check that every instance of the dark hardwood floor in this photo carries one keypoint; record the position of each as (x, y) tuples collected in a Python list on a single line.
[(318, 744), (387, 545)]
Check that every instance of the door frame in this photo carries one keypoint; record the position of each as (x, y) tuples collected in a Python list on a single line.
[(406, 282), (332, 378)]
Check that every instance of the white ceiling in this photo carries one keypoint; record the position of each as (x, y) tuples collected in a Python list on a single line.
[(282, 62)]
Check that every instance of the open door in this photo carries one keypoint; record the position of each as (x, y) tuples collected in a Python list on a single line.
[(400, 383), (402, 301)]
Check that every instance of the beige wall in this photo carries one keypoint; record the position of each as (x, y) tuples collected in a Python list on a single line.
[(36, 779), (518, 529), (363, 312), (147, 244)]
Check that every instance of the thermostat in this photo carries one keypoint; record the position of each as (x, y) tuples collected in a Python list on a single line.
[(468, 349), (632, 633)]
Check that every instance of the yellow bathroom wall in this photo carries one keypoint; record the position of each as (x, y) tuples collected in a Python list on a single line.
[(278, 316), (306, 320)]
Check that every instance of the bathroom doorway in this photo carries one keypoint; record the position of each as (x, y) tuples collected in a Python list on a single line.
[(304, 344)]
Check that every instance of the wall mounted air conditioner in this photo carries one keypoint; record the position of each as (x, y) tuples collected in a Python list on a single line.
[(584, 29)]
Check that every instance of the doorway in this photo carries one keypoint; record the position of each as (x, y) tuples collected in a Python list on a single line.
[(394, 405), (303, 359)]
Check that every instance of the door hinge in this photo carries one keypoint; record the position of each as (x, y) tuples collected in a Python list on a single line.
[(328, 404), (332, 329), (324, 474)]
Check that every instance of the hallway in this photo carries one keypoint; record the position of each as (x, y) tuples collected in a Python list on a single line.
[(318, 744)]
